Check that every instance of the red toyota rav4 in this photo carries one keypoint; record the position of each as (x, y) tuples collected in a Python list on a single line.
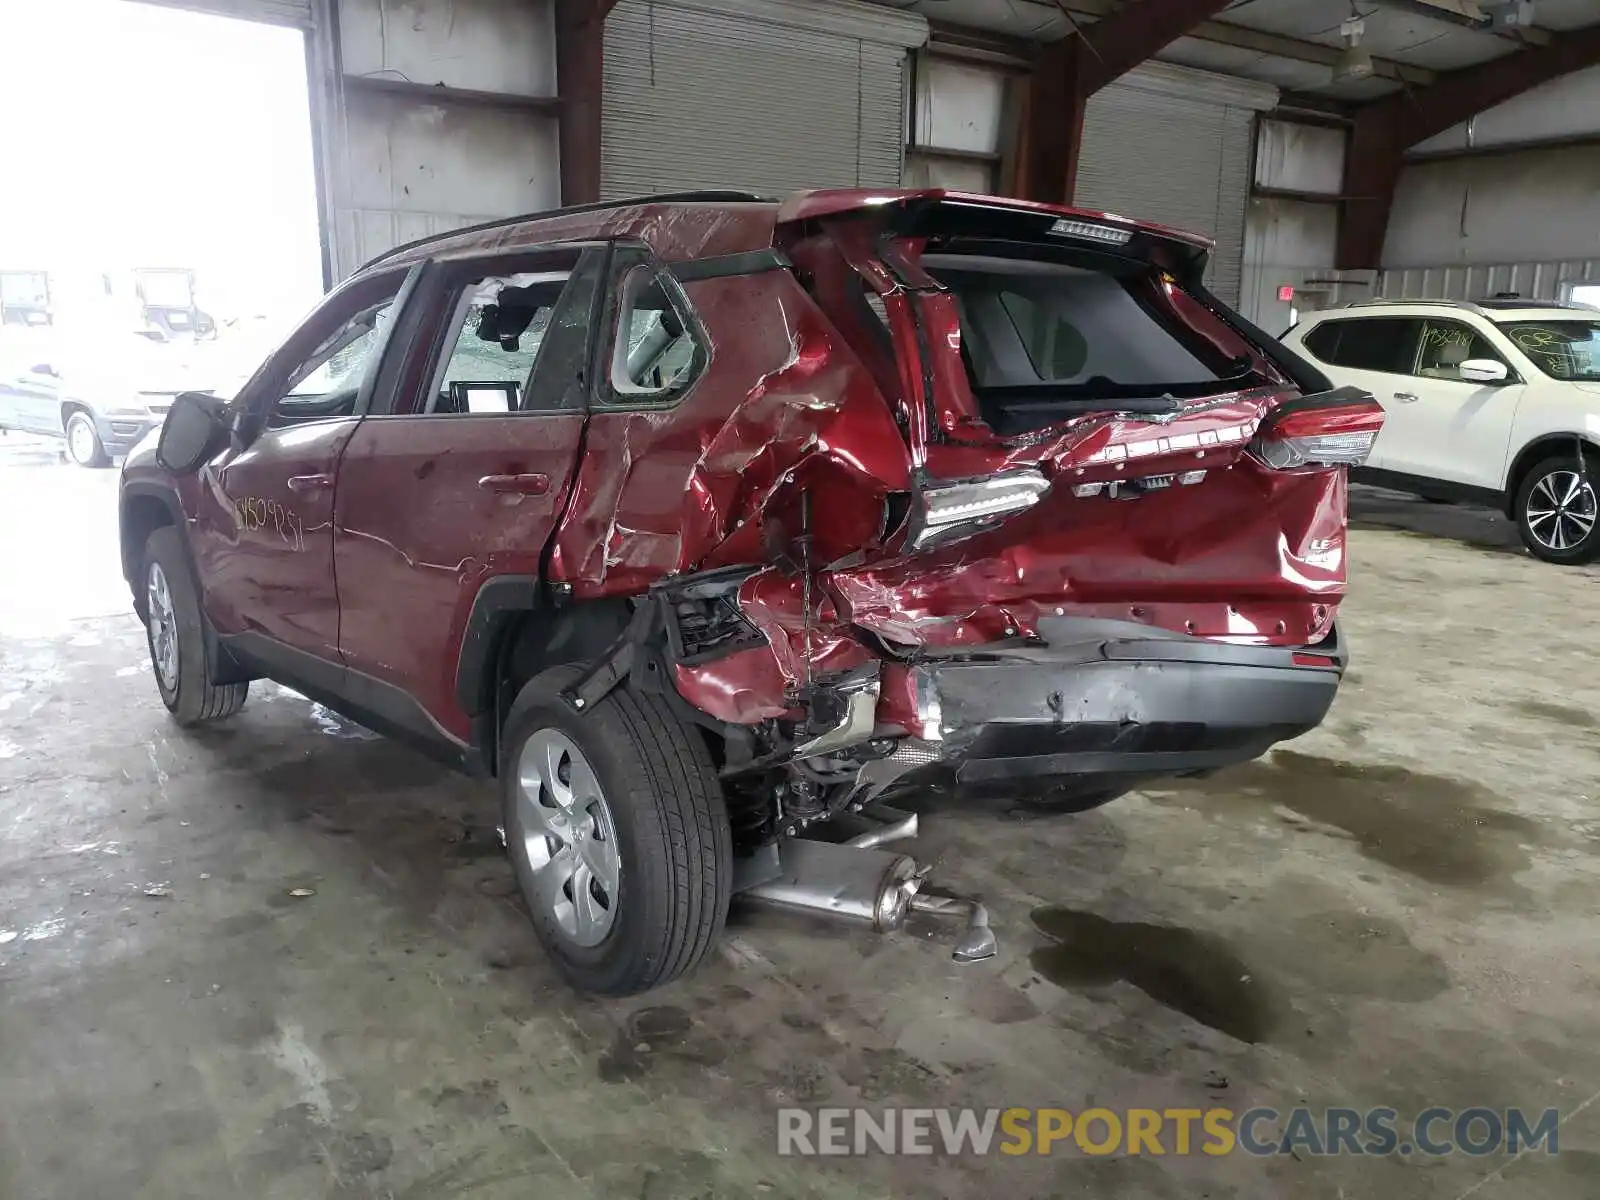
[(703, 519)]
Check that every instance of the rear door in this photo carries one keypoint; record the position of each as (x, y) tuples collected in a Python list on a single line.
[(461, 483), (1380, 355)]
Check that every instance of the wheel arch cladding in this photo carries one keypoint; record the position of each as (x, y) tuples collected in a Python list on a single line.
[(513, 634), (68, 407), (1541, 447), (141, 513)]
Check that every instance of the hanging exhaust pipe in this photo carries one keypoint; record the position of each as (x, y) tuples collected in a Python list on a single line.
[(857, 882)]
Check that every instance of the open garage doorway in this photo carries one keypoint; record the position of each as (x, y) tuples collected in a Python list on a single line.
[(158, 232)]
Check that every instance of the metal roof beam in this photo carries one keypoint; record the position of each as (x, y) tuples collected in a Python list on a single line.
[(1385, 129), (1127, 36), (1067, 72), (1242, 37), (1275, 44)]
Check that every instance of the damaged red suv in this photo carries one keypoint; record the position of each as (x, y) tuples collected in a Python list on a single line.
[(702, 520)]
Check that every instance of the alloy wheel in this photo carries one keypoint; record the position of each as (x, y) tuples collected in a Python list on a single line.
[(163, 628), (566, 838), (1561, 510), (80, 440)]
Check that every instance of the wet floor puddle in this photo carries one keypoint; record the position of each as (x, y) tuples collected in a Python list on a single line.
[(1193, 973), (1442, 830), (1311, 958)]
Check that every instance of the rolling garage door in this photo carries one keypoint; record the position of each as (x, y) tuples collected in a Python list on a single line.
[(764, 95), (1173, 145), (274, 12)]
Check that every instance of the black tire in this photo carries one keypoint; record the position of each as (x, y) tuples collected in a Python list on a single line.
[(84, 446), (191, 698), (1550, 481), (671, 834)]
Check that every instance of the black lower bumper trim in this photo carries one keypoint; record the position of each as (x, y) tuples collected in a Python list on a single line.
[(1113, 709)]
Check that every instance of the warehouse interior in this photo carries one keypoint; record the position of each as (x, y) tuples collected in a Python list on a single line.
[(286, 957)]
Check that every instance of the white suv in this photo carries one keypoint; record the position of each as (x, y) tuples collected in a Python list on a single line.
[(1496, 402)]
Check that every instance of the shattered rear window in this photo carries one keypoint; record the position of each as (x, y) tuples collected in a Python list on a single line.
[(1025, 323)]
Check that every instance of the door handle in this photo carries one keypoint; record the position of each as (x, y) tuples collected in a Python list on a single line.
[(1406, 397), (310, 483), (516, 485)]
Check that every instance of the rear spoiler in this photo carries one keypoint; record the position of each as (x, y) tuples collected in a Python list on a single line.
[(938, 213)]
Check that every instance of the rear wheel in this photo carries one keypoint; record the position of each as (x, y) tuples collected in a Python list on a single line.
[(617, 831), (84, 446), (176, 635), (1557, 509)]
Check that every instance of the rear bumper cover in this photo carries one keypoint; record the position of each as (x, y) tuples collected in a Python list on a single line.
[(1101, 707)]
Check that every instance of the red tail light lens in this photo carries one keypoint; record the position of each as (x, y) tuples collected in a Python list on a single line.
[(1332, 435)]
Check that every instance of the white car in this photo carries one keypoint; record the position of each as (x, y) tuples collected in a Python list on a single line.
[(1496, 402)]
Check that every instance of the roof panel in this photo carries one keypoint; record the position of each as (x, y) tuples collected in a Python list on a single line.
[(1213, 56)]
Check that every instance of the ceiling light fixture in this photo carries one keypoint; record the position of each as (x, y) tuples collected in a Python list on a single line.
[(1353, 62)]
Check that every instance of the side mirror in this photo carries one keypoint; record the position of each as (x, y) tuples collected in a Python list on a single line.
[(195, 425), (46, 369), (1484, 370)]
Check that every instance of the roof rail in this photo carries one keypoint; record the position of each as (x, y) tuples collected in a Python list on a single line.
[(1481, 307), (701, 197), (1528, 302), (1381, 301)]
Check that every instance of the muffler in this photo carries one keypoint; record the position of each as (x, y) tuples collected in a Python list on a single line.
[(857, 882)]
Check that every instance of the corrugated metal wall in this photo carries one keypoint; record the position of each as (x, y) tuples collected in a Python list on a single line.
[(1173, 145), (1535, 280), (763, 95)]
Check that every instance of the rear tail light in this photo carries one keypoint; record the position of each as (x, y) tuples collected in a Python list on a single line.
[(1329, 436), (960, 509)]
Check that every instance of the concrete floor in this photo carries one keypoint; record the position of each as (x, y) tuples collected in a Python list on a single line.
[(1399, 909)]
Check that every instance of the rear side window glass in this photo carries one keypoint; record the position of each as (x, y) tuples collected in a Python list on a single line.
[(654, 350), (1448, 344), (1387, 344)]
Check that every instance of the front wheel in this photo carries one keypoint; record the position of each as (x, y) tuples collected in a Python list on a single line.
[(617, 831), (84, 446), (176, 635), (1557, 511)]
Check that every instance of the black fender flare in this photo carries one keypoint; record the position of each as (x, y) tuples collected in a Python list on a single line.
[(167, 497), (498, 601)]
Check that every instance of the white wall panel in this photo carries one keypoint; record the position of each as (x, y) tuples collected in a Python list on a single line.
[(1295, 157), (416, 169), (1563, 108), (959, 106), (1529, 206), (484, 45), (399, 167), (1286, 242)]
